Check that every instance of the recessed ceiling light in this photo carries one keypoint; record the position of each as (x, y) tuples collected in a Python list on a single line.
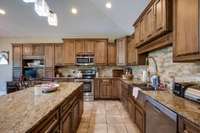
[(74, 11), (29, 1), (2, 12), (108, 4)]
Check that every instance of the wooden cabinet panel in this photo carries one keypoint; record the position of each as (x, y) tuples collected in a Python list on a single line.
[(96, 88), (69, 52), (160, 15), (38, 50), (79, 44), (112, 54), (142, 30), (17, 55), (140, 118), (150, 24), (49, 55), (101, 50), (106, 88), (131, 109), (132, 53), (49, 73), (121, 51), (186, 30), (59, 54), (115, 89), (27, 50), (66, 123), (75, 117), (89, 46), (137, 33), (186, 126)]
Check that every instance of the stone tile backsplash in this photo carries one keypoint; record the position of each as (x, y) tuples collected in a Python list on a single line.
[(166, 68)]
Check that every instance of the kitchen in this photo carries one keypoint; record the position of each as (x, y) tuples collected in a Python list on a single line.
[(106, 66)]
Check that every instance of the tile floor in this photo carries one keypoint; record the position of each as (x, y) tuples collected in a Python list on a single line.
[(106, 117)]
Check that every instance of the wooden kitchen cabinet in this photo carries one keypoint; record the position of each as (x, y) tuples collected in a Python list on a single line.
[(59, 54), (142, 29), (89, 46), (150, 22), (69, 52), (185, 126), (38, 50), (131, 108), (137, 33), (66, 122), (97, 88), (79, 46), (17, 55), (122, 51), (101, 52), (49, 55), (111, 54), (116, 89), (27, 50), (132, 52), (140, 118), (186, 30), (106, 88)]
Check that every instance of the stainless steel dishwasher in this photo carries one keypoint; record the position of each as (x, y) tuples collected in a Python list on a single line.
[(159, 119)]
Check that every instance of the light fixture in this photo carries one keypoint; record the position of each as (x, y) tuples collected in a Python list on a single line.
[(108, 4), (29, 1), (74, 11), (52, 19), (2, 12), (41, 8)]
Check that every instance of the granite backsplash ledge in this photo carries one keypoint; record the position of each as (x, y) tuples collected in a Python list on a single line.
[(183, 72)]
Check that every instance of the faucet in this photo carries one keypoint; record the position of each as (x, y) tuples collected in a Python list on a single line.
[(149, 76)]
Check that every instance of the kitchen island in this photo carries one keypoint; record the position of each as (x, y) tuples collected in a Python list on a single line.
[(28, 111)]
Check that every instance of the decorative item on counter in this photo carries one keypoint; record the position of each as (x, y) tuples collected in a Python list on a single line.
[(79, 74), (46, 88), (155, 81)]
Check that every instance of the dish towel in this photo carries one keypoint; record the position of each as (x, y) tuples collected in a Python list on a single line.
[(136, 91)]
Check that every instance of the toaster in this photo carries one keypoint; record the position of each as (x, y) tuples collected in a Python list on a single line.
[(180, 88)]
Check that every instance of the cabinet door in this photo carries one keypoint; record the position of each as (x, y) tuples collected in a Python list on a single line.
[(160, 15), (49, 55), (89, 46), (101, 50), (140, 118), (142, 30), (17, 56), (122, 52), (106, 88), (69, 52), (66, 123), (137, 33), (75, 117), (111, 54), (58, 54), (186, 126), (37, 50), (96, 88), (79, 44), (150, 24), (186, 31), (27, 50), (131, 109), (132, 53), (115, 89), (49, 73)]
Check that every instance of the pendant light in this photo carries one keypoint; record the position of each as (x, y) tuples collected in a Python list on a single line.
[(29, 1), (108, 4), (41, 8), (52, 19)]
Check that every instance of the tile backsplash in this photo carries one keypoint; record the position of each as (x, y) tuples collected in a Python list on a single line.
[(166, 68)]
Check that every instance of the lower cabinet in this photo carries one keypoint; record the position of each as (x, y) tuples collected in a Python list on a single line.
[(186, 126), (106, 88), (140, 118), (66, 123)]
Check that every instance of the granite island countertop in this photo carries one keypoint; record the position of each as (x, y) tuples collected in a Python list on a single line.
[(21, 110), (185, 108)]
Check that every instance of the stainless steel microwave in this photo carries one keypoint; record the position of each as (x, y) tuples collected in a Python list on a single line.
[(85, 59)]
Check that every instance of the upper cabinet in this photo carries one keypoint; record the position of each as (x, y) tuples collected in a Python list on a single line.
[(17, 55), (49, 55), (122, 51), (79, 44), (89, 46), (111, 54), (33, 50), (131, 51), (156, 20), (59, 56), (69, 52), (186, 30), (101, 52)]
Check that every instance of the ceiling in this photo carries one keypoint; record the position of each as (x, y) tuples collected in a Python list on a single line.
[(93, 19)]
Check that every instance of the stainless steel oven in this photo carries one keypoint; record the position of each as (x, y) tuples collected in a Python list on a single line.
[(88, 88), (85, 59)]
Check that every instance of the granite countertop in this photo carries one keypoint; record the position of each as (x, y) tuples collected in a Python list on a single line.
[(21, 110), (132, 82), (188, 109)]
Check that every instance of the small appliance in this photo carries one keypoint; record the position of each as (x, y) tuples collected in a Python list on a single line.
[(85, 59), (180, 88), (193, 93)]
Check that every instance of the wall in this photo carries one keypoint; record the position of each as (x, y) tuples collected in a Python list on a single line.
[(166, 68)]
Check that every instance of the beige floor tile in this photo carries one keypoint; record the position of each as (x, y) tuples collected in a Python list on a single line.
[(127, 120), (86, 117), (113, 119), (132, 128), (98, 128), (98, 119), (83, 127), (116, 128)]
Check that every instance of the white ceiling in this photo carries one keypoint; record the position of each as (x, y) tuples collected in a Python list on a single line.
[(93, 18)]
